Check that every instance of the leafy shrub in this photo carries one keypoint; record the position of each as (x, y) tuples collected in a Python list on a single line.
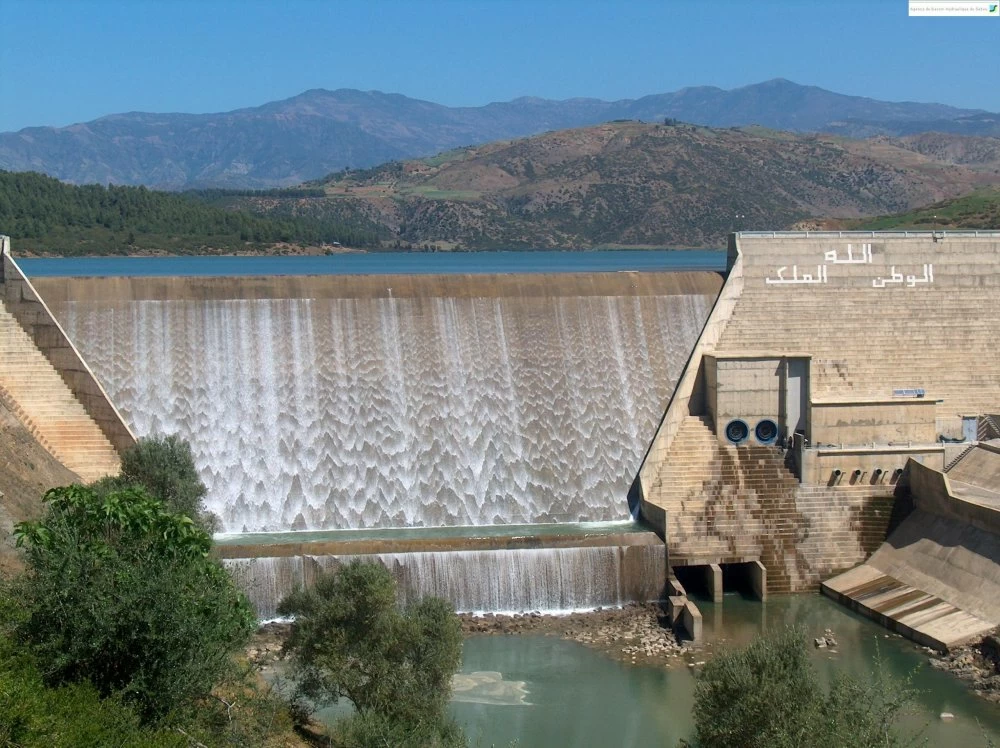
[(351, 640), (767, 695), (165, 467), (122, 593)]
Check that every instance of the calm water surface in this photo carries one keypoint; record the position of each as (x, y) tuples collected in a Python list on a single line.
[(382, 263), (542, 691)]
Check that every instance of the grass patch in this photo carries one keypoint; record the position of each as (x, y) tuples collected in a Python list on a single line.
[(446, 157), (977, 210), (433, 193)]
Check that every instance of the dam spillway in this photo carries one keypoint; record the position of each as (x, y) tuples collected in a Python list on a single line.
[(410, 402)]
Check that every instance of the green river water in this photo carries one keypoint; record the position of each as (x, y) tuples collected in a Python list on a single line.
[(543, 691)]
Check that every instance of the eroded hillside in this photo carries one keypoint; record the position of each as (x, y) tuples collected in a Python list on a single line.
[(636, 184)]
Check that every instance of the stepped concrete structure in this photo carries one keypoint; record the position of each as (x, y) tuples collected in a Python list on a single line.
[(936, 579), (49, 387), (831, 364)]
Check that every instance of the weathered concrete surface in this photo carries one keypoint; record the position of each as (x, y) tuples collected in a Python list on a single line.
[(61, 290), (977, 475), (937, 577), (430, 544), (917, 615), (870, 314), (758, 579), (22, 300), (713, 581)]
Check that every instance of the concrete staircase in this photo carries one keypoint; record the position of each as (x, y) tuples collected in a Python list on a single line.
[(32, 388)]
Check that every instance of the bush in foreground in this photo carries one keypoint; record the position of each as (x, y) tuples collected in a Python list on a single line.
[(121, 593), (72, 716), (164, 466), (767, 695), (350, 640)]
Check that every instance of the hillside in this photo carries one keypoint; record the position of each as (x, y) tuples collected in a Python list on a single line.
[(46, 216), (980, 210), (634, 184), (282, 143)]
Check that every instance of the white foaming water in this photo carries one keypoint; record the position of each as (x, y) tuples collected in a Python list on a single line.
[(358, 413), (548, 580)]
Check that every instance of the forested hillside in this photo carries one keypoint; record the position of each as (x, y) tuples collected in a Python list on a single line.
[(43, 215)]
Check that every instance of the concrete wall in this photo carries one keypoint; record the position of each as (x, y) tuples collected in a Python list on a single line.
[(979, 467), (819, 464), (750, 389), (932, 493), (31, 312), (60, 290), (948, 558), (689, 395), (877, 311), (910, 421)]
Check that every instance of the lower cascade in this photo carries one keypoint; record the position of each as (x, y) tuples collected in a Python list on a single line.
[(542, 579)]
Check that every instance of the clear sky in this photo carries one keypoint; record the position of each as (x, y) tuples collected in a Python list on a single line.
[(66, 61)]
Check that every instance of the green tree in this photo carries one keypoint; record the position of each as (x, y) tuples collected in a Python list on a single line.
[(351, 640), (164, 466), (71, 716), (122, 593), (767, 695)]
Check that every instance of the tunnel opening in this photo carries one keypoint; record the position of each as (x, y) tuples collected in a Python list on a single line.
[(747, 578), (710, 582)]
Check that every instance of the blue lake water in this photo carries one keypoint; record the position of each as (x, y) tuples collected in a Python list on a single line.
[(381, 263)]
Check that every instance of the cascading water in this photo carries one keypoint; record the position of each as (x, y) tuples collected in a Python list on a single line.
[(383, 412), (542, 579)]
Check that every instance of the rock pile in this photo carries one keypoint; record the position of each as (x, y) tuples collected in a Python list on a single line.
[(637, 633), (825, 641), (977, 663)]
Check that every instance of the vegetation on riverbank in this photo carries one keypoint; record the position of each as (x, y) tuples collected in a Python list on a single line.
[(123, 629), (351, 640), (768, 695)]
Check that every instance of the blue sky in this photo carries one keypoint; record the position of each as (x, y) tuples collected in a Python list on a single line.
[(66, 61)]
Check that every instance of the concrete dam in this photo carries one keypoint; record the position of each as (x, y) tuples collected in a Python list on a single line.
[(831, 419), (333, 403)]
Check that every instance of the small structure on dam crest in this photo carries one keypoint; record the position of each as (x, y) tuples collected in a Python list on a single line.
[(834, 367)]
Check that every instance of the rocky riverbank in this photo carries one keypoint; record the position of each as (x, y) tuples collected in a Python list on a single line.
[(978, 664), (637, 633)]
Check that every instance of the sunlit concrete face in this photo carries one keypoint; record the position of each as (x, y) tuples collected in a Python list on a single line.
[(379, 412)]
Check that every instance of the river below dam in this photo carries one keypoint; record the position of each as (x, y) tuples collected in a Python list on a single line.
[(543, 690)]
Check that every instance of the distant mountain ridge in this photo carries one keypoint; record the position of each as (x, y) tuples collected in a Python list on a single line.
[(633, 184), (319, 131)]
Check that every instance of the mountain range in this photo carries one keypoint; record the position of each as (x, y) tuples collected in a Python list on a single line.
[(639, 184), (318, 132)]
